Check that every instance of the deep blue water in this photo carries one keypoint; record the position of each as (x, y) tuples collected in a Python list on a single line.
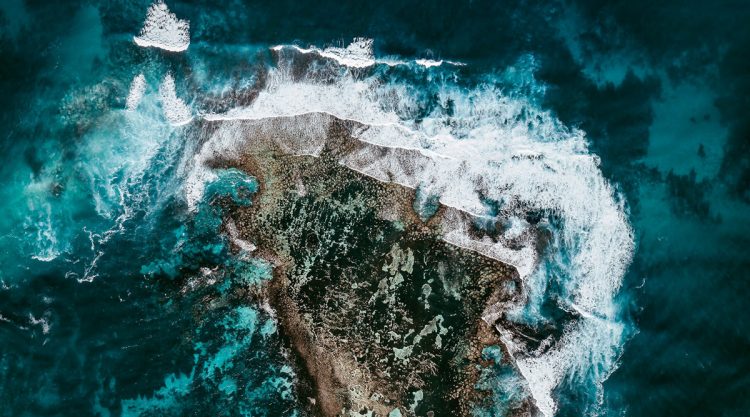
[(97, 246)]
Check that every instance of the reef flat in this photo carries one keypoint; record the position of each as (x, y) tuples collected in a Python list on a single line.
[(383, 316)]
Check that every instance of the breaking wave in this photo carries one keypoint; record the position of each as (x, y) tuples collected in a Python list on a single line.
[(175, 110), (162, 29), (137, 89)]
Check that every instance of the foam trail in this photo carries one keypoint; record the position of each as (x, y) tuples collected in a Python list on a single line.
[(162, 29), (359, 54), (46, 239), (175, 110), (137, 89)]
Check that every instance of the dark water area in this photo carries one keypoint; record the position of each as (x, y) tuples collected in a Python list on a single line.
[(94, 318)]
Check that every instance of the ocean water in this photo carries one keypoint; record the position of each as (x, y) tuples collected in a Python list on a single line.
[(623, 126)]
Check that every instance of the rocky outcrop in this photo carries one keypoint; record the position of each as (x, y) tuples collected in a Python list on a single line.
[(381, 311)]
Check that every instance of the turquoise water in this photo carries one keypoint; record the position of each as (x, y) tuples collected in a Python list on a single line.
[(117, 299)]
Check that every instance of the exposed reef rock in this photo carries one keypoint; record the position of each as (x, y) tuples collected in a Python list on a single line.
[(382, 312)]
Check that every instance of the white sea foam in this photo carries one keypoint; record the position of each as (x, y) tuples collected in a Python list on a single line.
[(175, 110), (135, 94), (429, 63), (40, 322), (513, 153), (162, 29)]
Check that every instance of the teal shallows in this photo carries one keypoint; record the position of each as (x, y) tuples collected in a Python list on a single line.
[(223, 346), (198, 243), (425, 204), (166, 400), (506, 390), (228, 386), (223, 352), (493, 353), (269, 328), (94, 195), (234, 184)]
